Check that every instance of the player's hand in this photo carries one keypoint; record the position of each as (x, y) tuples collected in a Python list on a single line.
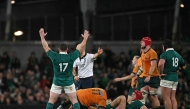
[(162, 76), (86, 34), (42, 34), (147, 79), (76, 78), (136, 78), (100, 51), (117, 79)]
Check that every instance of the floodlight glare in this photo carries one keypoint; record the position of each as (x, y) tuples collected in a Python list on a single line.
[(18, 33), (182, 5), (12, 2)]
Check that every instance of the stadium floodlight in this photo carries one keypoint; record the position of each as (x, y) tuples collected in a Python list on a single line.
[(18, 33), (12, 1), (182, 5)]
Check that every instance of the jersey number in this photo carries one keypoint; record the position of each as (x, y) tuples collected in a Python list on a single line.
[(175, 62), (63, 66)]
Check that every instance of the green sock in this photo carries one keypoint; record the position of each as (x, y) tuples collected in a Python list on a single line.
[(108, 106), (76, 106), (49, 106)]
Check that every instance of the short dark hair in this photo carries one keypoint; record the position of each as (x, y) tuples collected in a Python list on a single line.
[(167, 44), (111, 93), (63, 46)]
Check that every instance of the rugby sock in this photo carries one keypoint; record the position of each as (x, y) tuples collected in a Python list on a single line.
[(49, 106), (76, 106)]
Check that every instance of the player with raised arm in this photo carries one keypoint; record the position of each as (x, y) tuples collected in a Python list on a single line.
[(136, 62), (62, 67), (169, 63), (84, 65)]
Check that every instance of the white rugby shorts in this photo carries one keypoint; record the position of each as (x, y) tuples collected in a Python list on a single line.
[(169, 84), (67, 89)]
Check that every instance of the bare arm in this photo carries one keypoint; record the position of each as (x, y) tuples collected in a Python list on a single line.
[(100, 51), (125, 78), (44, 43), (76, 78), (161, 65), (119, 102), (153, 64), (74, 71), (83, 43)]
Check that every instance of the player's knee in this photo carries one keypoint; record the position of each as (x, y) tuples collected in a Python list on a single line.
[(122, 98), (144, 94), (173, 99)]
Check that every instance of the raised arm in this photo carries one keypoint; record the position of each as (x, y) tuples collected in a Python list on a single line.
[(100, 51), (44, 43), (83, 43)]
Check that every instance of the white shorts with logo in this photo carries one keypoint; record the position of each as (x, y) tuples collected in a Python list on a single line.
[(67, 89), (169, 84)]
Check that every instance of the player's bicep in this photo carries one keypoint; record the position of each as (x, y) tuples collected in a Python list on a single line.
[(153, 62)]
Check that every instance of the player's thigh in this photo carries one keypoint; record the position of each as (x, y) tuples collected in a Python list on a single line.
[(154, 82), (167, 87), (56, 89), (53, 97), (71, 92), (141, 83), (166, 92), (173, 94)]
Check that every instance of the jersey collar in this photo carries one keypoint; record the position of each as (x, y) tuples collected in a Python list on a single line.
[(147, 50), (62, 52), (169, 49)]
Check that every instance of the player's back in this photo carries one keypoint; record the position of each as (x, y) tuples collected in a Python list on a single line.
[(92, 96), (62, 66), (172, 61)]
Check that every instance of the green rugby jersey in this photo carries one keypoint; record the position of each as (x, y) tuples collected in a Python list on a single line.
[(135, 105), (63, 66), (173, 61)]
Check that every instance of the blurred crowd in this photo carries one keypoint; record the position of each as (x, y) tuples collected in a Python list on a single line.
[(32, 85)]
